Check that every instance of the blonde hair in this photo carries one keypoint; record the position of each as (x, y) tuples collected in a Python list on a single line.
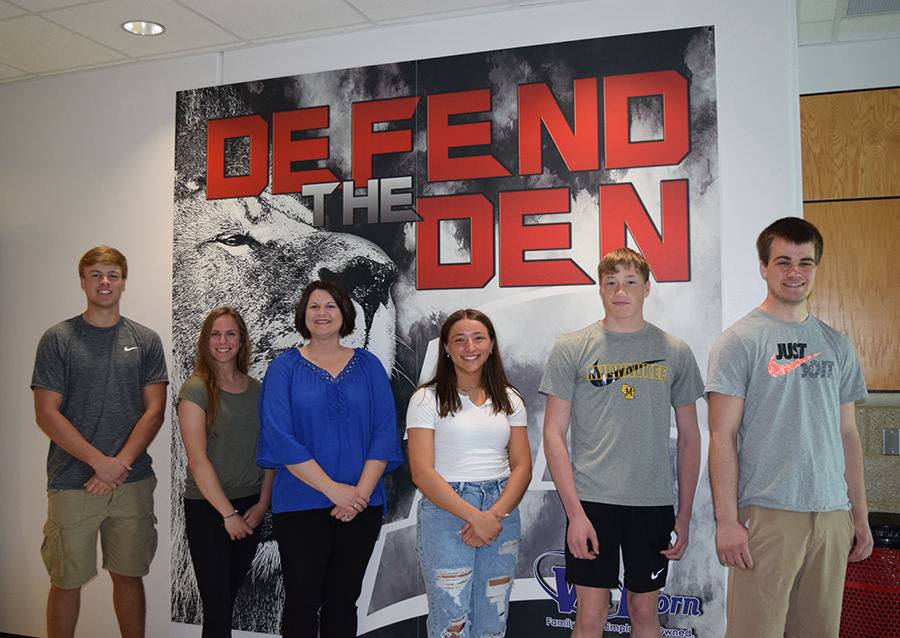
[(626, 258), (103, 255)]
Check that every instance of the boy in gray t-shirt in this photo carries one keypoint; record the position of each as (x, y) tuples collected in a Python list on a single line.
[(616, 382), (784, 455), (99, 393)]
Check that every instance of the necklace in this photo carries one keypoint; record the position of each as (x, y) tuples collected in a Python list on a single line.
[(466, 392)]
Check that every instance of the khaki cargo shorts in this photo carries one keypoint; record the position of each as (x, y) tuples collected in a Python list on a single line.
[(126, 523)]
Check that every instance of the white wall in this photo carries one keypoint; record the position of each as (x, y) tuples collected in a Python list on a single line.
[(851, 66), (87, 159)]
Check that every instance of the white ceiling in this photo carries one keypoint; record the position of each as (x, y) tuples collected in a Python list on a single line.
[(827, 21), (39, 38)]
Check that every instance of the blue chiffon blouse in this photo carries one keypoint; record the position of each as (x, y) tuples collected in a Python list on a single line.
[(342, 422)]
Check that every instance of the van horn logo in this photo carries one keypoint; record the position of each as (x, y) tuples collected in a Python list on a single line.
[(567, 600), (564, 594)]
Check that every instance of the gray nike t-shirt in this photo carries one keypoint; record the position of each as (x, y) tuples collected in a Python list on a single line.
[(101, 373), (793, 378), (623, 387)]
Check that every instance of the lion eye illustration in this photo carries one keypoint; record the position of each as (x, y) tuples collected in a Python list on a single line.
[(235, 240)]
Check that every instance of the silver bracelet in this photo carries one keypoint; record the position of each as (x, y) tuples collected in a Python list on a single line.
[(225, 518)]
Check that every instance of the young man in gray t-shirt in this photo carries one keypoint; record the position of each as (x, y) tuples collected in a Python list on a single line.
[(99, 393), (785, 457), (616, 382)]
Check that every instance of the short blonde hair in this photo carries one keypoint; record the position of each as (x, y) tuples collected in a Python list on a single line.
[(103, 255), (626, 258)]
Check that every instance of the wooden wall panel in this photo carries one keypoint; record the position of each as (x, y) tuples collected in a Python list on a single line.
[(851, 192), (857, 288), (851, 145)]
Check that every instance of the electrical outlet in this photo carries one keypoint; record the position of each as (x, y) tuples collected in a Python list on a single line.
[(891, 441)]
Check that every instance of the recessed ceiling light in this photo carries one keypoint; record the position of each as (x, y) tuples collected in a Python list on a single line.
[(144, 27)]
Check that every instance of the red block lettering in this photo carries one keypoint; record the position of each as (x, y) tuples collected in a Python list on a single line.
[(620, 151), (430, 273), (285, 150), (367, 142), (217, 132), (442, 136), (668, 251), (516, 237), (578, 148)]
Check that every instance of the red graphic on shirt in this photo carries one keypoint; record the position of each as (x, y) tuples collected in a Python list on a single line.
[(779, 370)]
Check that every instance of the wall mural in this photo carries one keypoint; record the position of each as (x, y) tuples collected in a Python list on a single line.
[(491, 180)]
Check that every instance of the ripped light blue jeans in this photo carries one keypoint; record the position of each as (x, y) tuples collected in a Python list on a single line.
[(468, 588)]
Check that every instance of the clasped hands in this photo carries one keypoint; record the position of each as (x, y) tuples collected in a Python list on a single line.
[(348, 501), (483, 528), (110, 473)]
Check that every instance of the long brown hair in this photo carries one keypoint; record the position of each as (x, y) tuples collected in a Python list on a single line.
[(493, 378), (205, 365)]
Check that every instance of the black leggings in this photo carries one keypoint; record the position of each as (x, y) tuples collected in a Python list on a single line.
[(220, 563), (323, 562)]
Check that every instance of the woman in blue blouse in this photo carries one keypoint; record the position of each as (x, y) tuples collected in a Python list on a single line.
[(329, 428)]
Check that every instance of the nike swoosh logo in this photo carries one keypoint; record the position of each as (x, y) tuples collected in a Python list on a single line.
[(655, 575), (618, 374), (779, 370), (129, 349)]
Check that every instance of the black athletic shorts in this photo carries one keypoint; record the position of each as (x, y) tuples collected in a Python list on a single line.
[(641, 532)]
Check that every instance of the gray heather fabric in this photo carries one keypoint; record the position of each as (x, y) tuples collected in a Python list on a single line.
[(622, 387), (793, 378), (101, 373)]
